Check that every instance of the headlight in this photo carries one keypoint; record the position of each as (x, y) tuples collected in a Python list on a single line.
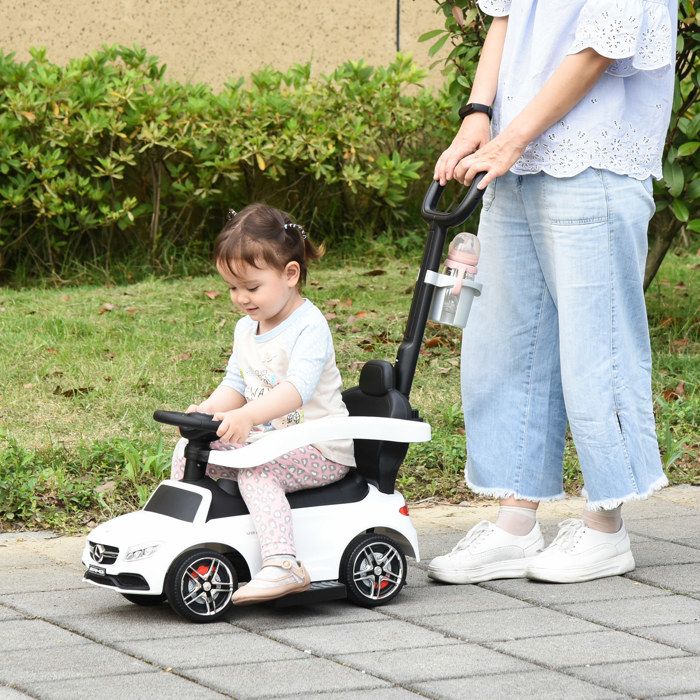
[(141, 551)]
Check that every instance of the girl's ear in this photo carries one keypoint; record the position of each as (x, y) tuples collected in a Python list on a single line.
[(292, 272)]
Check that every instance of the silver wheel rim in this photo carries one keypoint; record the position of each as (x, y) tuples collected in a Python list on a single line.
[(206, 586), (377, 570)]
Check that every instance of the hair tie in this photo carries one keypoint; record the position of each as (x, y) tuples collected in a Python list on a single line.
[(230, 214), (296, 227)]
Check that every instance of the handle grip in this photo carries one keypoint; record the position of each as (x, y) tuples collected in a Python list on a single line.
[(196, 421), (460, 213)]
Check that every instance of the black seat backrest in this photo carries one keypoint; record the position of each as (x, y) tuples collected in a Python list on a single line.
[(379, 460)]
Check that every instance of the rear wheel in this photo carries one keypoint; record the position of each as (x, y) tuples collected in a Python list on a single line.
[(373, 569), (143, 599), (200, 584)]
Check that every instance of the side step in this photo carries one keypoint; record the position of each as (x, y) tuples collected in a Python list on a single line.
[(319, 592)]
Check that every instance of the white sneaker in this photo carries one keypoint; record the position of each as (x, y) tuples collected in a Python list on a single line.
[(487, 552), (579, 553)]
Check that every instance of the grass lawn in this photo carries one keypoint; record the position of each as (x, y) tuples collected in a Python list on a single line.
[(83, 369)]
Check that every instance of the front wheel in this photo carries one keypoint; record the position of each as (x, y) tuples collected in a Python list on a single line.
[(143, 599), (373, 569), (200, 584)]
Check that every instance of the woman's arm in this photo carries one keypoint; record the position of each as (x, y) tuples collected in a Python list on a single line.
[(569, 83), (474, 131)]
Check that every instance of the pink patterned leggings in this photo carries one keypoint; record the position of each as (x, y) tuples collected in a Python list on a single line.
[(263, 489)]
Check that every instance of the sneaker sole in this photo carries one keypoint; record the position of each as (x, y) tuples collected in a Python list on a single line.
[(621, 564), (513, 568)]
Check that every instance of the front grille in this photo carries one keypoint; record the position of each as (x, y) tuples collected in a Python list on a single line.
[(103, 553), (130, 581)]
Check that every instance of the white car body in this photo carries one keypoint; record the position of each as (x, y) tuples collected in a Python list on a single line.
[(321, 533)]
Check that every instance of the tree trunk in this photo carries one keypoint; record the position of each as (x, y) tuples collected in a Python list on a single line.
[(663, 229)]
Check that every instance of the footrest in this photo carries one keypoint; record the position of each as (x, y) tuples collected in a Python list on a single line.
[(319, 592)]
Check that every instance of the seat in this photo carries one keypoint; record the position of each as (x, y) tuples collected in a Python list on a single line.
[(379, 460), (226, 499)]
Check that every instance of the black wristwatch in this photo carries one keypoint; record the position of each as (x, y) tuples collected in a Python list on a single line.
[(472, 107)]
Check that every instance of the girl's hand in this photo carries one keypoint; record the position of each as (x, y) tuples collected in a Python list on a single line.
[(193, 408), (472, 135), (494, 158), (235, 425)]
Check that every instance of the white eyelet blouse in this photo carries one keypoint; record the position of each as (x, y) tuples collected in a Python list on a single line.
[(621, 124)]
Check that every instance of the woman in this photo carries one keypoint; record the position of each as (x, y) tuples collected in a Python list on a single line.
[(581, 93)]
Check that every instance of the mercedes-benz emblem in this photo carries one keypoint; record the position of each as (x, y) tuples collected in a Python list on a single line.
[(98, 553)]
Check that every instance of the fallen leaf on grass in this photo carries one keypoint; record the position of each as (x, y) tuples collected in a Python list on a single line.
[(374, 273), (70, 393), (131, 310), (218, 370), (212, 294), (666, 322), (330, 316), (105, 308), (107, 487), (674, 394), (357, 364), (109, 355), (679, 343), (360, 314), (64, 297), (28, 386), (433, 342), (184, 356)]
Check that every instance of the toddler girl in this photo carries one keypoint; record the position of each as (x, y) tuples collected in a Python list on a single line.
[(281, 372)]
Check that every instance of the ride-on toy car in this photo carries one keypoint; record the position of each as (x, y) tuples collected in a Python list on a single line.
[(194, 541)]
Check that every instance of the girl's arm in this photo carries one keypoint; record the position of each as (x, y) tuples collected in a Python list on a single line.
[(237, 424), (569, 83), (223, 398), (474, 131)]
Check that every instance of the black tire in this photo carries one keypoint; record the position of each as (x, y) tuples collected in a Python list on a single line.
[(373, 569), (144, 599), (199, 585)]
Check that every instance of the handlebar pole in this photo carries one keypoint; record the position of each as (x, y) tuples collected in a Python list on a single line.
[(440, 221), (407, 356)]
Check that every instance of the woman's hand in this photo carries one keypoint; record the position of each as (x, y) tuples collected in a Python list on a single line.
[(472, 135), (235, 425), (494, 158)]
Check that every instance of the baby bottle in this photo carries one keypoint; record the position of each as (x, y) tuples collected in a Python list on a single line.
[(462, 257)]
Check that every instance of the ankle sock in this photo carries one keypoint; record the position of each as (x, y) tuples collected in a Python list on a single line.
[(609, 521), (516, 521)]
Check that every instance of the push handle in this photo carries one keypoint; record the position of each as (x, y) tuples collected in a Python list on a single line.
[(461, 212)]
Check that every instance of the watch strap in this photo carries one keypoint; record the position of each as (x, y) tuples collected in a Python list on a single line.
[(471, 107)]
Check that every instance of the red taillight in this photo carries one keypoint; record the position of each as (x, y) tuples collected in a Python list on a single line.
[(403, 510)]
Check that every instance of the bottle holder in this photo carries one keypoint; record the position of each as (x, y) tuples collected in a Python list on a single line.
[(443, 287)]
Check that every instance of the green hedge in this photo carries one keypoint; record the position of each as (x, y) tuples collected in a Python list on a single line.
[(104, 155)]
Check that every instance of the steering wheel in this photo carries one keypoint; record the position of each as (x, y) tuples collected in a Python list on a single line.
[(200, 427)]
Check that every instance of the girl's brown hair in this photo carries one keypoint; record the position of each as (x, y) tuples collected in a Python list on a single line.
[(262, 235)]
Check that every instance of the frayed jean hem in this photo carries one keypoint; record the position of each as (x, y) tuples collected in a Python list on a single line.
[(610, 503), (510, 493)]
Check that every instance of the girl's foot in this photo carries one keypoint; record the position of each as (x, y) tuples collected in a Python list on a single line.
[(279, 576), (580, 553), (487, 552)]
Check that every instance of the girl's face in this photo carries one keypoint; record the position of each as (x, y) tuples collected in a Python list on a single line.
[(265, 294)]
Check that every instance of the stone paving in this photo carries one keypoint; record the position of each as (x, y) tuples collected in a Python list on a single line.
[(636, 636)]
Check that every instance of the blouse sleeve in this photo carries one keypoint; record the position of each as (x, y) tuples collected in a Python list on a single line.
[(495, 8), (638, 34)]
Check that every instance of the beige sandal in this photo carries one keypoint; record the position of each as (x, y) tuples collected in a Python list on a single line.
[(278, 577)]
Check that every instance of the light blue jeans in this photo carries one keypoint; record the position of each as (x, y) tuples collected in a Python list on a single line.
[(560, 333)]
